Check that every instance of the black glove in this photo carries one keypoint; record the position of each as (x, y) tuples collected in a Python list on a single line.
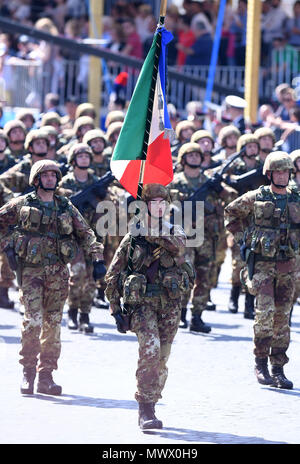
[(215, 183), (99, 270), (119, 321)]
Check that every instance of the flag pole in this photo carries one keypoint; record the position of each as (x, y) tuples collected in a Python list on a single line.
[(162, 14)]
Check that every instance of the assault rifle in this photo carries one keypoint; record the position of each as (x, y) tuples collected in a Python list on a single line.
[(90, 195)]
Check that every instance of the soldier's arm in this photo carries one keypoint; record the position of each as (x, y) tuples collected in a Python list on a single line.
[(85, 236), (237, 214), (9, 214), (14, 179), (118, 264), (173, 243)]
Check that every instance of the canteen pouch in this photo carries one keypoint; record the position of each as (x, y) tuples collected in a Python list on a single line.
[(173, 282), (34, 251), (134, 289), (30, 218), (294, 212), (20, 245), (268, 244)]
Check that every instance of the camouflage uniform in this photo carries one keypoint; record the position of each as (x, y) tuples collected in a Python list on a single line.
[(45, 238), (270, 223), (153, 292), (82, 285), (7, 276)]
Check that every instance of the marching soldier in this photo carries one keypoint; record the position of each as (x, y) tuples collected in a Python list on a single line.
[(183, 131), (82, 286), (16, 133), (266, 139), (96, 140), (6, 159), (266, 222), (228, 138), (46, 230), (153, 294), (17, 177), (184, 184), (7, 276)]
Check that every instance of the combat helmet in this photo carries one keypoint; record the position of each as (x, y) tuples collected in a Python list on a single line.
[(85, 109), (295, 156), (94, 134), (113, 116), (186, 148), (151, 191), (83, 121), (225, 132), (201, 134), (35, 134), (181, 125), (12, 125), (112, 128), (278, 161), (263, 131), (43, 166), (50, 118), (78, 148), (245, 139)]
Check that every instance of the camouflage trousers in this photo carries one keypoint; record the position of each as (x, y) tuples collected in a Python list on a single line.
[(82, 285), (43, 293), (6, 274), (215, 265), (155, 323), (237, 265), (273, 284), (297, 279), (202, 259)]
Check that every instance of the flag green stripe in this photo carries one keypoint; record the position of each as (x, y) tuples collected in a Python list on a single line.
[(130, 141)]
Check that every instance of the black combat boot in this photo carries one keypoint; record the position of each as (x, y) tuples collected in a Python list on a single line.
[(46, 384), (210, 306), (262, 372), (249, 306), (233, 305), (72, 319), (279, 379), (147, 418), (183, 318), (99, 300), (5, 302), (29, 374), (84, 323), (197, 325)]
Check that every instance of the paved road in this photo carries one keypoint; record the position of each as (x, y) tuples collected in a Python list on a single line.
[(211, 395)]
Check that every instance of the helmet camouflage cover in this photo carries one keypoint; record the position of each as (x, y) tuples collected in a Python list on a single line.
[(151, 191), (245, 139), (186, 148), (278, 161), (79, 148), (34, 135), (43, 166)]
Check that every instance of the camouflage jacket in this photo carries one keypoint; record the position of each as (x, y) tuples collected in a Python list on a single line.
[(268, 223), (7, 162), (70, 185), (101, 168), (45, 233), (171, 256), (17, 177), (182, 187)]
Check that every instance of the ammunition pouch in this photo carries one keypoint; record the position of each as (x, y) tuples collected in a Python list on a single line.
[(134, 288), (176, 281), (68, 249), (30, 218)]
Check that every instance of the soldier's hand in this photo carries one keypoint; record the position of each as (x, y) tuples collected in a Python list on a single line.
[(119, 321), (215, 182), (99, 270)]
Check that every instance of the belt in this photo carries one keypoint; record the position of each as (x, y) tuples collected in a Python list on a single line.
[(46, 261)]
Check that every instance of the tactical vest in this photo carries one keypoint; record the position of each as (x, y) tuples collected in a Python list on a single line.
[(44, 234), (274, 234)]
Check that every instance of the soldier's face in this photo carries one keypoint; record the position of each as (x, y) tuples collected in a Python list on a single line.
[(2, 145), (39, 146), (186, 134), (231, 141), (251, 149), (16, 135), (281, 177), (157, 207), (97, 145), (83, 159), (48, 179), (205, 144), (193, 158), (266, 142)]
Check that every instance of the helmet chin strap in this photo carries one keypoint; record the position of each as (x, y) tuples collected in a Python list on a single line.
[(279, 186), (193, 166), (47, 189)]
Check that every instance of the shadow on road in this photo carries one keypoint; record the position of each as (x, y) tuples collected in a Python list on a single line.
[(196, 436), (77, 400)]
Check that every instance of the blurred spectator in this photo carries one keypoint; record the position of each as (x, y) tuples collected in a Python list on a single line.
[(24, 47), (118, 39), (133, 45), (239, 28), (4, 11), (58, 13), (171, 25), (144, 21), (68, 120), (293, 26), (287, 103), (200, 52), (76, 9), (186, 38), (51, 103), (265, 115), (227, 43), (196, 11), (273, 21), (285, 57)]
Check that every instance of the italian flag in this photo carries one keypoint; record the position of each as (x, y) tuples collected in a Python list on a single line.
[(126, 159)]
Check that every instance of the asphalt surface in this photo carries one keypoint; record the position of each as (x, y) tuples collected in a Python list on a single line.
[(211, 395)]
